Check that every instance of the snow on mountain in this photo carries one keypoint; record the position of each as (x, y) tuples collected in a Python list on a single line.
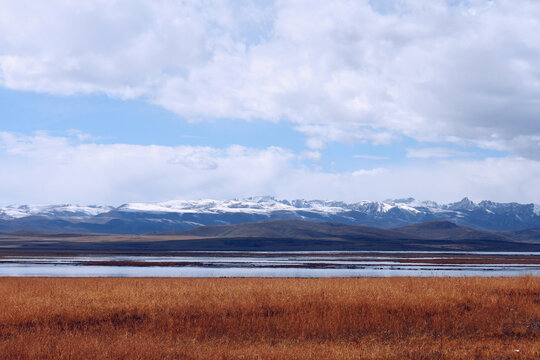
[(184, 214), (463, 204), (64, 210), (260, 205), (414, 204), (265, 205), (253, 205)]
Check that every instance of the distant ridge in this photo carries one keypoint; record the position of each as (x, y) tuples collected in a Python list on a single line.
[(179, 215), (294, 229), (44, 234), (273, 235), (528, 235), (297, 229), (446, 230)]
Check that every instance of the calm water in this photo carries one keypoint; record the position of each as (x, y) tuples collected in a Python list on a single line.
[(338, 264)]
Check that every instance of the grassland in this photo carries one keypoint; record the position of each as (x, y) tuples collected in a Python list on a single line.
[(366, 318)]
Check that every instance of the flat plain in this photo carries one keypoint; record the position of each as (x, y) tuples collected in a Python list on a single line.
[(336, 318)]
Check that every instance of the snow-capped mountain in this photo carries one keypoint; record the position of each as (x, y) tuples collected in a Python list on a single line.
[(65, 210), (139, 218)]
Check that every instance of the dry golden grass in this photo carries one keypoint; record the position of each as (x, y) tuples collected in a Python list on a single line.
[(366, 318)]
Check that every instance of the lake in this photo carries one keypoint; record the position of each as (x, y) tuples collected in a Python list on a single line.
[(272, 264)]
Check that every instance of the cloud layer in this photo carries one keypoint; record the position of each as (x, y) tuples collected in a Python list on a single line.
[(439, 71), (51, 169)]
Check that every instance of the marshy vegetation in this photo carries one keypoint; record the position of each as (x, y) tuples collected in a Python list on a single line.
[(346, 318)]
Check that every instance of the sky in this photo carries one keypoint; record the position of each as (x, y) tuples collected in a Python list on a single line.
[(108, 102)]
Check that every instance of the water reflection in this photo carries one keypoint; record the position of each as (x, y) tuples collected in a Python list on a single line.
[(277, 265)]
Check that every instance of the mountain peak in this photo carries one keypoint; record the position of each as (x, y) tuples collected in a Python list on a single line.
[(408, 200), (463, 204), (261, 199)]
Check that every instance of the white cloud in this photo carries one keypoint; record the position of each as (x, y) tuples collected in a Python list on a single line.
[(435, 152), (43, 168), (49, 169), (311, 155), (371, 157), (341, 70), (195, 158), (369, 172)]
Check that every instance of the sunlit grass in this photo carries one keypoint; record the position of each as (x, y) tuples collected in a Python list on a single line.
[(366, 318)]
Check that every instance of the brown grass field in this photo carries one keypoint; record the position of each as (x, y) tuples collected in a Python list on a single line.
[(351, 318)]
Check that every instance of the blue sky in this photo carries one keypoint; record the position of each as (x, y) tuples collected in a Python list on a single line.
[(108, 121), (112, 121), (148, 101)]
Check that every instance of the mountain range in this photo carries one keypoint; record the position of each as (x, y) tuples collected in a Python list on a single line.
[(274, 235), (178, 215)]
